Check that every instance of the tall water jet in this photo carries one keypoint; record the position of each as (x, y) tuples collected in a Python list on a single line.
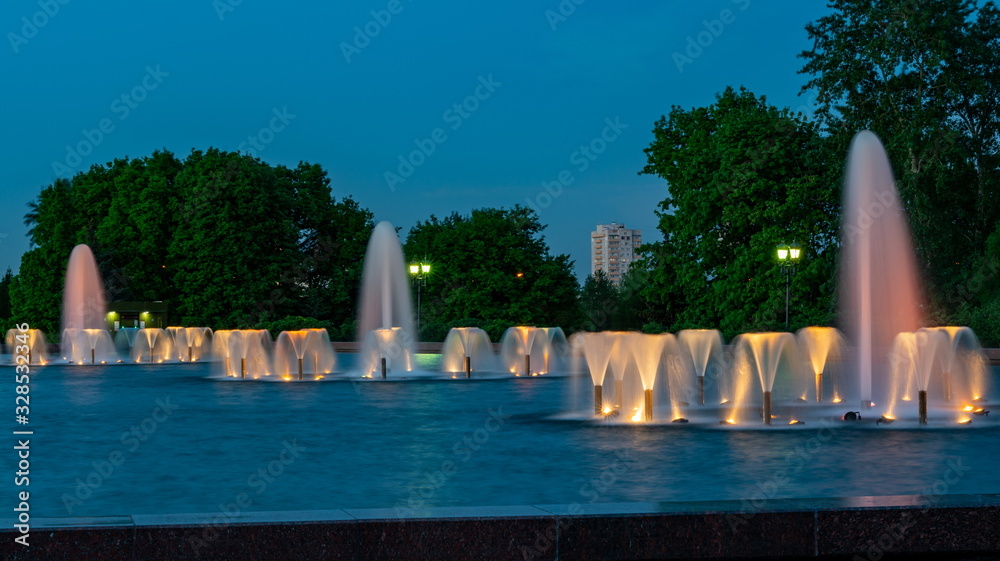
[(466, 349), (83, 294), (385, 303), (701, 345), (765, 349), (817, 343), (879, 292)]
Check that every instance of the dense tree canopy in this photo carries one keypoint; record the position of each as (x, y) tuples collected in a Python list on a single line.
[(226, 239), (491, 269), (925, 77), (743, 176)]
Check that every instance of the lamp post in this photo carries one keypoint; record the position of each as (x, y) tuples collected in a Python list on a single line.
[(788, 257), (419, 273)]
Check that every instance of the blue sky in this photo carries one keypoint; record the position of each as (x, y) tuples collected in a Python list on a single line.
[(534, 82)]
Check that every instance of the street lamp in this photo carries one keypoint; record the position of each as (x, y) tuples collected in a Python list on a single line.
[(419, 272), (788, 256)]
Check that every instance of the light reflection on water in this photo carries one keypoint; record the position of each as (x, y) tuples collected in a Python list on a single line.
[(385, 444)]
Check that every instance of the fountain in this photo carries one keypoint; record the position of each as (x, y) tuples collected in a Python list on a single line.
[(243, 353), (35, 342), (700, 346), (817, 344), (306, 351), (83, 294), (524, 350), (83, 319), (597, 348), (191, 343), (152, 344), (879, 293), (385, 306), (124, 339), (87, 346), (466, 349), (765, 350)]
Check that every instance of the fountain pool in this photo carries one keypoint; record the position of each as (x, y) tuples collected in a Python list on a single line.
[(190, 441)]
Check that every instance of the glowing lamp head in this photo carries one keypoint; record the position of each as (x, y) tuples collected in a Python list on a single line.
[(782, 253), (414, 269), (425, 268)]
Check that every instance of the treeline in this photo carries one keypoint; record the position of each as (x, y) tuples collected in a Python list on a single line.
[(743, 176), (225, 239), (229, 241)]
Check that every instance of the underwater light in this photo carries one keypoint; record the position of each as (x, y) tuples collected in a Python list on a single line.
[(679, 420), (852, 416), (981, 412), (885, 420)]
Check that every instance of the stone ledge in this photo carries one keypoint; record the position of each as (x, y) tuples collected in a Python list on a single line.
[(953, 527)]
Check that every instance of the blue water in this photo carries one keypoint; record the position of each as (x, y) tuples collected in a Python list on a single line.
[(412, 444)]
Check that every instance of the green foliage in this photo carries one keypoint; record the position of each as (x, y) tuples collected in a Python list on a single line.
[(742, 176), (925, 77), (225, 239), (492, 267)]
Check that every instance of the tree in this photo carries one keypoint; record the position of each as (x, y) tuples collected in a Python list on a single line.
[(225, 239), (492, 267), (742, 176), (599, 301), (925, 77)]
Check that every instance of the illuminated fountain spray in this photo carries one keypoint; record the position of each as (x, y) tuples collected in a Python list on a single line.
[(647, 350), (524, 350), (152, 344), (34, 339), (929, 344), (879, 291), (700, 346), (963, 375), (306, 351), (84, 337), (818, 344), (596, 349), (192, 343), (765, 351), (466, 349), (244, 353), (124, 339), (558, 351), (88, 346), (385, 320)]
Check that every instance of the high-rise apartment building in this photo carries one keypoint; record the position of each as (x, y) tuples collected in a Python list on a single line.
[(613, 247)]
